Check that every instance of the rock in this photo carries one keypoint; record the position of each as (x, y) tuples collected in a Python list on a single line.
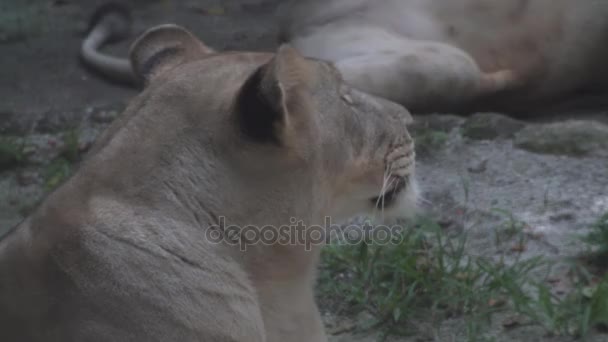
[(55, 122), (29, 150), (428, 141), (104, 116), (84, 146), (10, 153), (490, 126), (13, 123), (435, 122), (365, 320), (26, 178), (479, 167), (341, 327), (569, 138), (431, 131), (563, 216)]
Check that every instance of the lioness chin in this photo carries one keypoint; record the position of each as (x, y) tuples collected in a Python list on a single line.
[(133, 247)]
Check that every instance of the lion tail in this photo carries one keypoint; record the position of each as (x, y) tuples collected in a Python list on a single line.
[(109, 23)]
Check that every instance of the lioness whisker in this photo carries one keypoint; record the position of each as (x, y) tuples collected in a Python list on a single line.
[(385, 185)]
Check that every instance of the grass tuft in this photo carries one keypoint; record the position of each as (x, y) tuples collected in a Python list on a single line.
[(62, 166), (428, 277), (598, 239), (12, 152)]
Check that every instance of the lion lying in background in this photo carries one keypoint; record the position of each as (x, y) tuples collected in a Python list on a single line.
[(435, 55), (448, 55)]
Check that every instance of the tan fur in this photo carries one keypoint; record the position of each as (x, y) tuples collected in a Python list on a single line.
[(120, 252), (443, 55)]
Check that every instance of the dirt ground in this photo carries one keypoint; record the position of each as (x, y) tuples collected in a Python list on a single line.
[(41, 72), (553, 176)]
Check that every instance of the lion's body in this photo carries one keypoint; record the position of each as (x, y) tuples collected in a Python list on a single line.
[(433, 53), (122, 251)]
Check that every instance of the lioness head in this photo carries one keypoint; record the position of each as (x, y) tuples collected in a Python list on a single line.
[(270, 135)]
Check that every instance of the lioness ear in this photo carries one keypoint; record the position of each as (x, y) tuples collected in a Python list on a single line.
[(162, 48), (274, 101)]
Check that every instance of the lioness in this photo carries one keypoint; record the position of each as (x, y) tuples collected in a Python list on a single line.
[(452, 54), (127, 249)]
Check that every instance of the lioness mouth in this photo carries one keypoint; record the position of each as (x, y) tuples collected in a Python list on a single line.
[(389, 196)]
